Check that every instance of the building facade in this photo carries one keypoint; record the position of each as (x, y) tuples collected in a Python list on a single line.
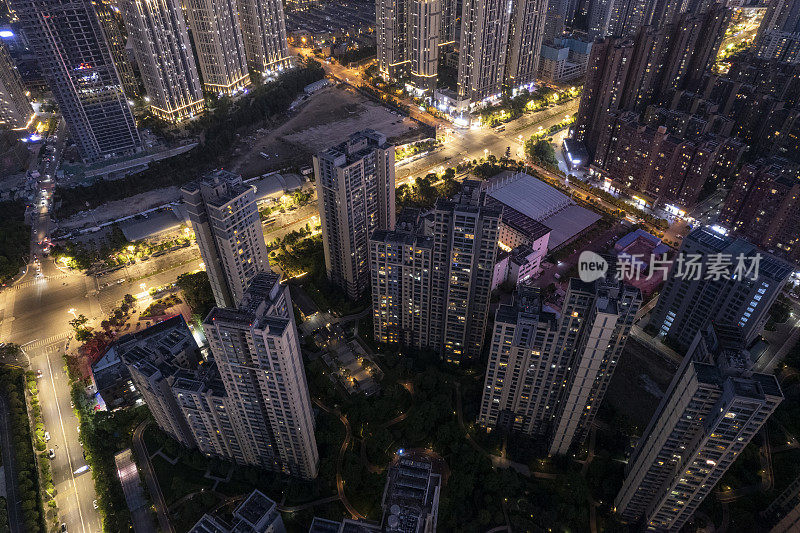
[(163, 51), (686, 306), (75, 61), (355, 191), (218, 41), (778, 35), (257, 350), (407, 36), (226, 223), (432, 276), (763, 206), (483, 49), (117, 38), (713, 408), (264, 31), (15, 107), (547, 374)]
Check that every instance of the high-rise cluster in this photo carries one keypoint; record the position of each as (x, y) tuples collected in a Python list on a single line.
[(432, 276), (81, 47), (547, 374), (355, 191), (712, 409), (249, 402), (779, 34)]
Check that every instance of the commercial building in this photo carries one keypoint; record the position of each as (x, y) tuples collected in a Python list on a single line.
[(784, 511), (163, 51), (15, 107), (712, 409), (564, 59), (264, 32), (355, 191), (432, 276), (257, 350), (257, 514), (518, 265), (693, 297), (407, 36), (218, 41), (778, 35), (763, 206), (547, 373), (534, 213), (75, 61), (226, 223)]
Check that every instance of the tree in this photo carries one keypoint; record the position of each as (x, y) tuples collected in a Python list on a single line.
[(197, 291), (541, 150), (78, 322)]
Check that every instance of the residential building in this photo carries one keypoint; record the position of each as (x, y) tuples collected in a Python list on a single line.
[(257, 514), (407, 35), (604, 311), (778, 35), (355, 191), (548, 373), (15, 107), (257, 350), (226, 223), (163, 51), (564, 59), (432, 276), (688, 303), (763, 206), (410, 500), (218, 43), (117, 38), (483, 49), (525, 36), (75, 61), (264, 31), (712, 409), (154, 357), (464, 250)]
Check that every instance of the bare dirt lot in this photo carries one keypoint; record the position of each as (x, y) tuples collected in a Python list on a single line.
[(322, 120)]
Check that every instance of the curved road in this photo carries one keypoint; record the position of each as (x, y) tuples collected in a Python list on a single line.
[(340, 460)]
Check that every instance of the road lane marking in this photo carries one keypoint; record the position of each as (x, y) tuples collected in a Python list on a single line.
[(64, 435)]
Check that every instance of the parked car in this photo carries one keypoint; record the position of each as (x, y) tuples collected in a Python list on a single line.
[(46, 436), (51, 453)]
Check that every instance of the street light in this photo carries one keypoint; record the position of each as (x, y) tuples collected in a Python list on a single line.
[(72, 311)]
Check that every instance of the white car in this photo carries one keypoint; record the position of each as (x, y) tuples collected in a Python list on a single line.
[(94, 502), (51, 453), (46, 436)]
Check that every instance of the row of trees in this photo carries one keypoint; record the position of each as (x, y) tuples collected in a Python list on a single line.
[(196, 289), (14, 239), (217, 131), (12, 388), (426, 189)]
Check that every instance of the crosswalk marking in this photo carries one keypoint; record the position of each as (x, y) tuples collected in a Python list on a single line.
[(46, 342), (39, 281)]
